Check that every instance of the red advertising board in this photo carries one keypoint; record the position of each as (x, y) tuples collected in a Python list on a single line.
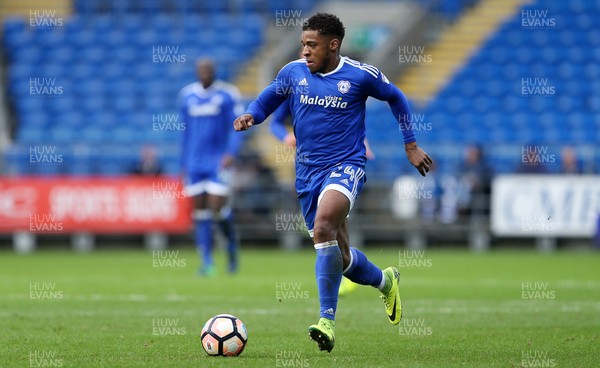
[(93, 204)]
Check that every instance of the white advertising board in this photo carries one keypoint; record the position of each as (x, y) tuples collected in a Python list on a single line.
[(545, 205)]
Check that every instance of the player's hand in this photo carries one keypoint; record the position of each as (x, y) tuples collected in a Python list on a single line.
[(418, 158), (243, 122), (289, 140)]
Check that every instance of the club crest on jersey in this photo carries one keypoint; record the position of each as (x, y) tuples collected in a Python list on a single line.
[(343, 86)]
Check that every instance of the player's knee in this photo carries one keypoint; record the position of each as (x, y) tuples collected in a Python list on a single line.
[(325, 230), (222, 213)]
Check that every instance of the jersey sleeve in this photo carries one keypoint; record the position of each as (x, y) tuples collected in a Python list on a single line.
[(278, 122), (380, 88), (271, 97)]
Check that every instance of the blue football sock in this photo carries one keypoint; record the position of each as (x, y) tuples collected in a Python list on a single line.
[(204, 236), (328, 270), (226, 226), (362, 271)]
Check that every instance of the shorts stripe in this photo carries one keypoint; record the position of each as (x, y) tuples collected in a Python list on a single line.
[(358, 176), (207, 186)]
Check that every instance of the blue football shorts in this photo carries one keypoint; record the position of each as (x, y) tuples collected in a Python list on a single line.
[(312, 182), (215, 183)]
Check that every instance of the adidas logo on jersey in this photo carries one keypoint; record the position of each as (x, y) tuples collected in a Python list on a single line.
[(327, 101), (303, 82), (345, 181)]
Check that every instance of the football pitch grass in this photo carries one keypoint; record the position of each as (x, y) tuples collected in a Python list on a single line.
[(129, 308)]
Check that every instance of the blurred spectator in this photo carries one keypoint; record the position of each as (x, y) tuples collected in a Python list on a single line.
[(429, 197), (474, 183), (148, 164), (568, 162), (448, 199)]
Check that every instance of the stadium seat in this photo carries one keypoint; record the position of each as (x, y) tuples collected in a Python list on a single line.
[(93, 135), (125, 135), (36, 120), (31, 135)]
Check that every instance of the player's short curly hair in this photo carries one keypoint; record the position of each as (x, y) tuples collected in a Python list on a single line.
[(326, 24)]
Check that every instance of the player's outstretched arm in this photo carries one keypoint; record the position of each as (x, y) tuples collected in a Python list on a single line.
[(418, 158), (382, 89), (243, 122)]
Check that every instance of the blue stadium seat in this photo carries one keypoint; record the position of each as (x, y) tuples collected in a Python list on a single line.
[(93, 104), (131, 23), (16, 41), (30, 135), (59, 105), (158, 102), (62, 135), (94, 135), (81, 39), (13, 25), (30, 55), (139, 120), (101, 23), (124, 104), (61, 55), (94, 55), (125, 135), (29, 104), (36, 120)]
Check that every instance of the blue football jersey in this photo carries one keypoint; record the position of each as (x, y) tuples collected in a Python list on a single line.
[(328, 109), (208, 114)]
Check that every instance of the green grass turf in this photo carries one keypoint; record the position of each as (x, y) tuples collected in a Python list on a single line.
[(461, 309)]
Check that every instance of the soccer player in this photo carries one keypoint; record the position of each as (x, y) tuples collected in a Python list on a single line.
[(289, 139), (208, 150), (327, 94)]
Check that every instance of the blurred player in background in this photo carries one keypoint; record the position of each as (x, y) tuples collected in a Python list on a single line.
[(208, 151), (327, 94)]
